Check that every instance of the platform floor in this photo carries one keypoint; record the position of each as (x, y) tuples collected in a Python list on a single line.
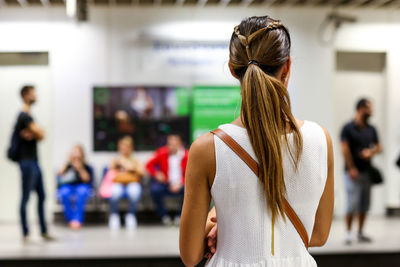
[(158, 241)]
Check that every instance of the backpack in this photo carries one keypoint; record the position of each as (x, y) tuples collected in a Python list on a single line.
[(13, 150)]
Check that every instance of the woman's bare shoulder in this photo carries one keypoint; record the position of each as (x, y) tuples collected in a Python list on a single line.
[(203, 142), (203, 153)]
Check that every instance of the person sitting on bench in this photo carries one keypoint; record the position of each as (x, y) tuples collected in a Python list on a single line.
[(167, 167), (75, 186), (127, 172)]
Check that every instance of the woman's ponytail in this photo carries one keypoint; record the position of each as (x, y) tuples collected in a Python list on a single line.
[(259, 48), (264, 114)]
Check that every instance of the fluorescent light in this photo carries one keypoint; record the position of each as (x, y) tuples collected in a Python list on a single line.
[(71, 8), (191, 31)]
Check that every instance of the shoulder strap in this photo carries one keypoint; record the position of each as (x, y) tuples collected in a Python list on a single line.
[(253, 165)]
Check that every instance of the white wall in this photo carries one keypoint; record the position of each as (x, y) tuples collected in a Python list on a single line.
[(106, 51)]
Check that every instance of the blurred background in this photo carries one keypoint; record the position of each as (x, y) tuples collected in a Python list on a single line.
[(90, 59)]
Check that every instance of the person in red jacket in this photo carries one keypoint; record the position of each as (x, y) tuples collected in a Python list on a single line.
[(167, 168)]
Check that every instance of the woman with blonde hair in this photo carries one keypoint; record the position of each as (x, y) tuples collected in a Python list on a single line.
[(269, 174), (126, 172), (75, 186)]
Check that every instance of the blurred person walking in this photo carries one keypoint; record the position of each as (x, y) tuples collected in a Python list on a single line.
[(23, 150), (167, 167), (269, 174), (359, 143)]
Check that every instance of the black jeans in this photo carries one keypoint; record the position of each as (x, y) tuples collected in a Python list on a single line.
[(159, 191), (32, 181)]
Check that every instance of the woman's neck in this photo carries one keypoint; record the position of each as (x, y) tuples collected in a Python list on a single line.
[(238, 122)]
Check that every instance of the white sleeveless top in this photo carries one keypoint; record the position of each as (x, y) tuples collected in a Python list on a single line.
[(244, 224)]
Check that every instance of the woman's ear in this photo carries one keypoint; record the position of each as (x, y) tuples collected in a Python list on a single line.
[(289, 65), (232, 72), (285, 71)]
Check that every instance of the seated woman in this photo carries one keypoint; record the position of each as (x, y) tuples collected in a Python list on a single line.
[(127, 172), (75, 185)]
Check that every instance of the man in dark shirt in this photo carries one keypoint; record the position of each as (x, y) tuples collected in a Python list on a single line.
[(30, 134), (359, 141)]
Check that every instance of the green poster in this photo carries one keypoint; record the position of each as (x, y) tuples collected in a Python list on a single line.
[(183, 101), (213, 106)]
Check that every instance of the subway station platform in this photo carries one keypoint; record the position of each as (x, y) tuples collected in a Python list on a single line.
[(155, 245)]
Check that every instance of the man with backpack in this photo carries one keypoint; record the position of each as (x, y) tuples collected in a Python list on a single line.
[(23, 150), (360, 143)]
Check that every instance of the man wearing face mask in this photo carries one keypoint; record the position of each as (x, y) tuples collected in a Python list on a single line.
[(360, 143)]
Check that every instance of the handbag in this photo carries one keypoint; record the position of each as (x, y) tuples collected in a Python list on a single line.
[(106, 186), (126, 178), (398, 162), (375, 175)]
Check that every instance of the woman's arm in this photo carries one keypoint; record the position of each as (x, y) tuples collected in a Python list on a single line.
[(63, 169), (84, 174), (323, 217), (127, 164), (79, 167), (139, 168), (114, 164), (200, 170)]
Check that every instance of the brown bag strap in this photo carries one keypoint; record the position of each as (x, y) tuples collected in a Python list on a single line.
[(253, 165)]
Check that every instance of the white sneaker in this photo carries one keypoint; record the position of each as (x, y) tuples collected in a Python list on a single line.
[(348, 239), (166, 220), (130, 221), (177, 220), (114, 222)]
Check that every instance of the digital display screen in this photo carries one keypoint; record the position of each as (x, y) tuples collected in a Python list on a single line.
[(146, 113)]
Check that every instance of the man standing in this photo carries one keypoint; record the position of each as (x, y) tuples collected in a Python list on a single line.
[(30, 134), (359, 141), (167, 167)]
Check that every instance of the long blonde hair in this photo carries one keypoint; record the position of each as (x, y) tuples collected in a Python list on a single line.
[(259, 48)]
